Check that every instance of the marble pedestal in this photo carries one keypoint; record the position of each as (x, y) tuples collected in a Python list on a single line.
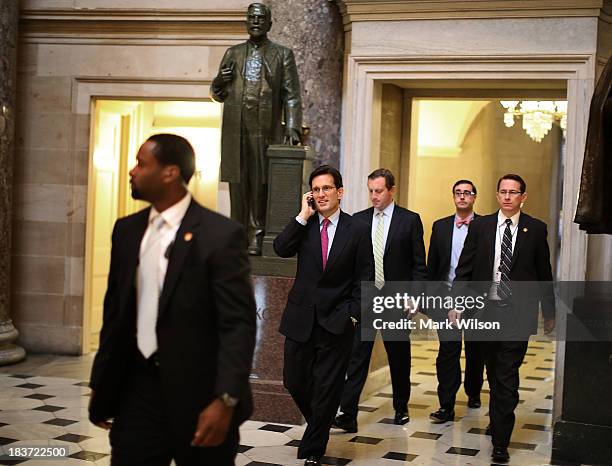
[(583, 433)]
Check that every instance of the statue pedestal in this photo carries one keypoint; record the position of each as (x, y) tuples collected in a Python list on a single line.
[(582, 433), (288, 171)]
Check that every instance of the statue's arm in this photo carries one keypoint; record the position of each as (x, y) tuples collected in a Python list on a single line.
[(290, 94), (218, 88)]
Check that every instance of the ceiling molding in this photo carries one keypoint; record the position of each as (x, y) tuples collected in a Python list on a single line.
[(403, 10), (130, 24)]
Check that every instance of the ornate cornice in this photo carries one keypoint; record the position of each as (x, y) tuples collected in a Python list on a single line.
[(130, 24), (402, 10)]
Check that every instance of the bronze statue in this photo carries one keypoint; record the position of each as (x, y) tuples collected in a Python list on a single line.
[(258, 82), (594, 211)]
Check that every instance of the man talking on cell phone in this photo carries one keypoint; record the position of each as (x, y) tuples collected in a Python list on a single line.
[(334, 256)]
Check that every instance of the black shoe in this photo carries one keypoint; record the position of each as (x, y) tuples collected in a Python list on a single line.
[(500, 455), (474, 402), (345, 422), (400, 418), (488, 430), (312, 461), (442, 415)]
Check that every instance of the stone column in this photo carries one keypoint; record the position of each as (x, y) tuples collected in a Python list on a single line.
[(9, 353), (313, 30)]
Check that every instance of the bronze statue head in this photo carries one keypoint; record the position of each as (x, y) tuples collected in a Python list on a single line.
[(259, 21)]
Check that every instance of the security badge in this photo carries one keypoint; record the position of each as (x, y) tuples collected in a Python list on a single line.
[(187, 236)]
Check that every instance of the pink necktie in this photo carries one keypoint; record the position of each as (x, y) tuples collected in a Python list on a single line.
[(465, 222), (324, 241)]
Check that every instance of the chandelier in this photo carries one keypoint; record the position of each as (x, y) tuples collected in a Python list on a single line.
[(538, 115)]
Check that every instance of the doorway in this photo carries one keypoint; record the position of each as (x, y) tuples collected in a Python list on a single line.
[(119, 127)]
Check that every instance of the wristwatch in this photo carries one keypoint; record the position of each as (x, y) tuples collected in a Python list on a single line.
[(228, 400)]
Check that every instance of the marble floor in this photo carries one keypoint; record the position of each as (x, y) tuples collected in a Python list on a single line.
[(43, 401)]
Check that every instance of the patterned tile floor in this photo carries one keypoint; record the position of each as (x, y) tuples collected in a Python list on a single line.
[(44, 401)]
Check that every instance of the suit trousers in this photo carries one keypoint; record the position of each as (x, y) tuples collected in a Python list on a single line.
[(248, 199), (314, 373), (448, 367), (141, 434), (398, 354), (503, 359)]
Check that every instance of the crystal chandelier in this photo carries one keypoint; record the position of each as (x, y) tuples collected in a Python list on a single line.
[(538, 115)]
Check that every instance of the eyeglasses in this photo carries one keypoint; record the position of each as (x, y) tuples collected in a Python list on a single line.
[(324, 189), (464, 193), (512, 192)]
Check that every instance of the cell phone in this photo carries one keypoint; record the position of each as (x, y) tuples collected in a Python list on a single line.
[(312, 203)]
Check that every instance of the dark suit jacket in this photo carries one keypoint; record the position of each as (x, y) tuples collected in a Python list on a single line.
[(206, 324), (331, 296), (440, 247), (279, 96), (530, 263), (404, 257)]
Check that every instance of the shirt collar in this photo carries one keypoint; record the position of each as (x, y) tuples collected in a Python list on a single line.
[(259, 45), (470, 218), (501, 218), (333, 218), (173, 215), (387, 211)]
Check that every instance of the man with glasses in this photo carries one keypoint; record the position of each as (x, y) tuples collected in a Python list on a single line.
[(447, 238), (503, 248), (334, 256), (399, 255)]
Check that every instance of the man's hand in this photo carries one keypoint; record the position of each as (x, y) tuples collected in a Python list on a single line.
[(106, 425), (549, 325), (454, 316), (307, 210), (227, 73), (292, 137), (213, 425)]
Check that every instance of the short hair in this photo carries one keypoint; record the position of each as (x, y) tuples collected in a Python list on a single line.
[(457, 183), (264, 7), (171, 149), (386, 174), (512, 176), (326, 170)]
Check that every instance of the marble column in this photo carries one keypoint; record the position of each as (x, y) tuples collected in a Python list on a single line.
[(313, 30), (9, 352)]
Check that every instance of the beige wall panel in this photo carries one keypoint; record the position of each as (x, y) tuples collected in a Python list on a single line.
[(80, 164), (39, 274), (211, 5), (76, 241), (73, 310), (157, 61), (53, 339), (41, 203), (49, 166), (42, 94), (40, 309), (475, 37), (44, 130), (39, 238), (74, 273), (27, 58)]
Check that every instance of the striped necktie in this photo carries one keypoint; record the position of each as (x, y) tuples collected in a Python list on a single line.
[(379, 251), (503, 289), (324, 241)]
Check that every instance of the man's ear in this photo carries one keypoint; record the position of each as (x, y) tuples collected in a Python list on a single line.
[(340, 193), (171, 173)]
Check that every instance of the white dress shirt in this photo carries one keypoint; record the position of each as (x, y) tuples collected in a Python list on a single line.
[(173, 216), (388, 215), (331, 228), (499, 235)]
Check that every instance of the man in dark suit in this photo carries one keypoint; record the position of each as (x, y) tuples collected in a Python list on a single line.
[(176, 345), (259, 85), (399, 255), (502, 249), (447, 238), (334, 256)]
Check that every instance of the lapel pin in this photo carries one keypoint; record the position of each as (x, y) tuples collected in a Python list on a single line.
[(188, 236), (525, 230)]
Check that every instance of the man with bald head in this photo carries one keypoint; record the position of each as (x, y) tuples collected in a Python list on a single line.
[(259, 86)]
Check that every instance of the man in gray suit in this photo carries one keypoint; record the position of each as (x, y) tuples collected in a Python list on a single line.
[(258, 82)]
